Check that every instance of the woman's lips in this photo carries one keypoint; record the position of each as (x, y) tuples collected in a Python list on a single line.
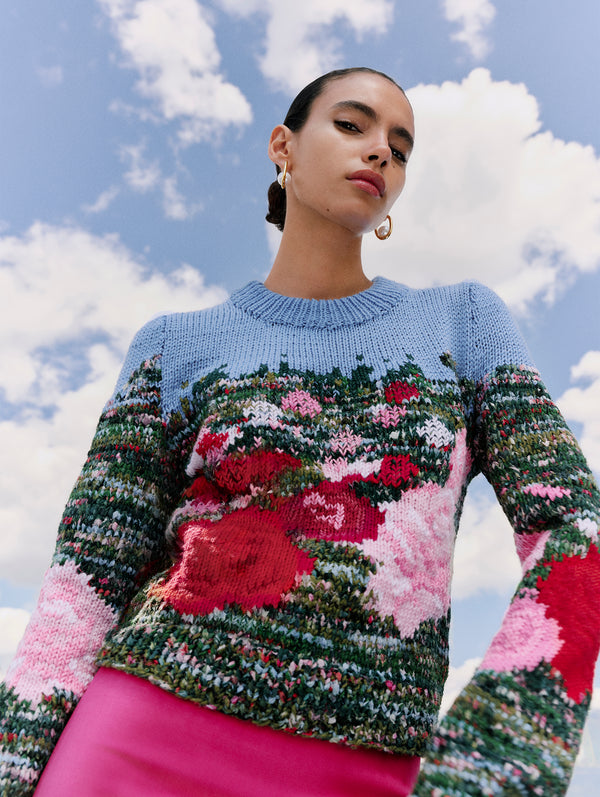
[(368, 181)]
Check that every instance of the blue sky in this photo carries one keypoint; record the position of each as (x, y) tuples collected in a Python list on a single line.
[(134, 177)]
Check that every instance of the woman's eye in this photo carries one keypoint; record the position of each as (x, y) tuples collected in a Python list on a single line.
[(399, 155), (345, 125)]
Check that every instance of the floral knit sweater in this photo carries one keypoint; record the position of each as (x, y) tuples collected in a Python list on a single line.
[(265, 525)]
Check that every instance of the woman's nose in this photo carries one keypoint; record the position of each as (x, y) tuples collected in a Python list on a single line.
[(379, 151)]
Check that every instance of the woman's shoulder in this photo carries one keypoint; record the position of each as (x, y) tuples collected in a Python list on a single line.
[(468, 303), (480, 328), (173, 324), (470, 292)]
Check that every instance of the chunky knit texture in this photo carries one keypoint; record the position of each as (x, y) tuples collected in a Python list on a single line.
[(265, 524)]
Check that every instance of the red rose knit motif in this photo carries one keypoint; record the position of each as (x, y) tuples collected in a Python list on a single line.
[(244, 558), (571, 594)]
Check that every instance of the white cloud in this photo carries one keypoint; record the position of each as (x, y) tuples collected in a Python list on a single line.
[(104, 200), (588, 367), (473, 17), (171, 45), (484, 528), (582, 404), (589, 752), (301, 41), (69, 304), (142, 175), (490, 197), (12, 625), (174, 203), (40, 457), (458, 678)]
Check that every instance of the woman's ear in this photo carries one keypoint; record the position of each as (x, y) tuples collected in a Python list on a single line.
[(279, 145)]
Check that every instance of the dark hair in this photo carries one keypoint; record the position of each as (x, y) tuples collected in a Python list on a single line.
[(296, 118)]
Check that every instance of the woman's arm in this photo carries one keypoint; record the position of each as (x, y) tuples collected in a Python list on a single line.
[(110, 535), (516, 727)]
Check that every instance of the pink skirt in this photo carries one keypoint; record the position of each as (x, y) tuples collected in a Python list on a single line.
[(128, 737)]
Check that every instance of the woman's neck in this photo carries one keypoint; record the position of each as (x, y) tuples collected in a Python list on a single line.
[(323, 264)]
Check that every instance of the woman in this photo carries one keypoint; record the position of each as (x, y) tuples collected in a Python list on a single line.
[(258, 552)]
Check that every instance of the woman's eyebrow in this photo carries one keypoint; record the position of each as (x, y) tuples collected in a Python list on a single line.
[(355, 105), (371, 113)]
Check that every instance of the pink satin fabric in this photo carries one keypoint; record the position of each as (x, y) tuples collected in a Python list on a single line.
[(129, 738)]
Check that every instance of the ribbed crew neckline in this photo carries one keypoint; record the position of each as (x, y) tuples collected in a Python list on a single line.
[(275, 308)]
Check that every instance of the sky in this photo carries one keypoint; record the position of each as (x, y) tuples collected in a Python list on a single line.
[(134, 174)]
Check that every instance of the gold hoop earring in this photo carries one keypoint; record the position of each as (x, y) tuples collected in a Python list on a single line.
[(282, 176), (384, 230)]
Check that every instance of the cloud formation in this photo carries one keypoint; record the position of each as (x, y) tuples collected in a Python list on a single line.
[(484, 528), (104, 200), (145, 175), (175, 205), (69, 304), (300, 39), (12, 625), (582, 403), (474, 18), (172, 47), (458, 678), (142, 175), (491, 196)]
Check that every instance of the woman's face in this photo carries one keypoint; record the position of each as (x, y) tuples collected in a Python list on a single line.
[(348, 162)]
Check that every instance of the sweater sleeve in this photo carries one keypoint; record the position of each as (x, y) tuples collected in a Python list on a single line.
[(516, 728), (110, 535)]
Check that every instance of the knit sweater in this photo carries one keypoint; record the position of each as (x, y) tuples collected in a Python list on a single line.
[(265, 525)]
